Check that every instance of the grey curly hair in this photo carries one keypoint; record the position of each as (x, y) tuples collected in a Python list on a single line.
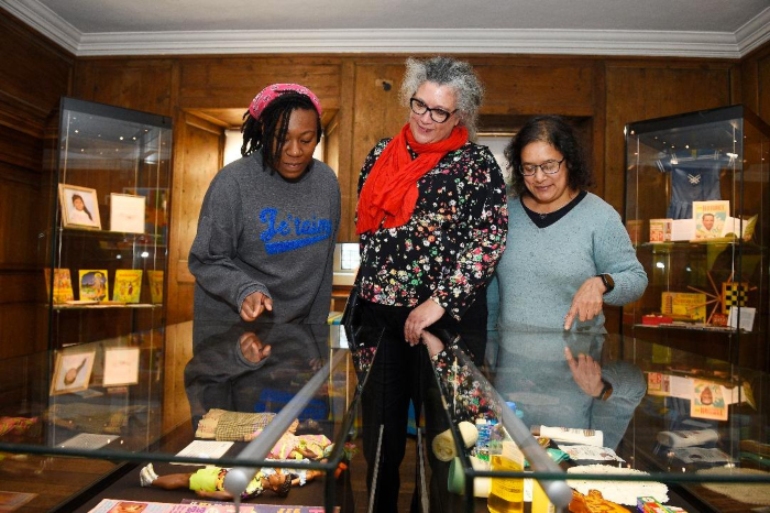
[(456, 74)]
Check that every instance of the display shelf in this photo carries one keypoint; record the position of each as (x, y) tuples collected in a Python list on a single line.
[(696, 201)]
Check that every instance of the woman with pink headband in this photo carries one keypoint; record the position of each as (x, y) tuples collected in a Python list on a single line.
[(269, 221)]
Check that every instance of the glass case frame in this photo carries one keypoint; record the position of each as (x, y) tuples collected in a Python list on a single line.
[(676, 167)]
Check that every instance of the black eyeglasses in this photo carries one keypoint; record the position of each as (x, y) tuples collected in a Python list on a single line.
[(549, 167), (437, 115)]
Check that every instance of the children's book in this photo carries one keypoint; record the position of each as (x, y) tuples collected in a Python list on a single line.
[(128, 285), (62, 285), (156, 286), (93, 284), (710, 218), (660, 230)]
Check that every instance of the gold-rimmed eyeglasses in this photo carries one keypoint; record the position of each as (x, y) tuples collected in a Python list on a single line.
[(549, 167)]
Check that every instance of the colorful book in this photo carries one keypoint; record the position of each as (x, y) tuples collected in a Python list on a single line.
[(128, 285), (660, 230), (62, 286), (93, 285), (710, 218), (156, 286)]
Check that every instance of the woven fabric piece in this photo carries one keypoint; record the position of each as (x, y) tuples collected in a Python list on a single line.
[(231, 425)]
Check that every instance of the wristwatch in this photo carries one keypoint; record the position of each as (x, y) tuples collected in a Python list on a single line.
[(606, 391), (609, 283)]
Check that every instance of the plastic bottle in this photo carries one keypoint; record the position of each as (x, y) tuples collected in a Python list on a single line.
[(506, 494), (540, 501)]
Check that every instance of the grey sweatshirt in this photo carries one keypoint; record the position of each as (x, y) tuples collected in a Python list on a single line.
[(260, 233)]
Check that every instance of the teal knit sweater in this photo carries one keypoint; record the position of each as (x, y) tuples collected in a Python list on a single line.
[(542, 268)]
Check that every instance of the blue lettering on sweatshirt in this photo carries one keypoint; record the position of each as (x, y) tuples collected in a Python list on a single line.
[(291, 232)]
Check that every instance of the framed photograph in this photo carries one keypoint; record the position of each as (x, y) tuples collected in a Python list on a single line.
[(72, 372), (121, 366), (79, 207), (127, 213)]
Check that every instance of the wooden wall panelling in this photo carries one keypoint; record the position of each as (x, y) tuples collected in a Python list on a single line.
[(377, 113), (763, 88), (178, 351), (143, 84), (35, 74), (530, 86), (197, 158), (232, 82), (347, 167)]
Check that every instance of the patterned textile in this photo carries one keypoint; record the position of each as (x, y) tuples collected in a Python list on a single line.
[(231, 425)]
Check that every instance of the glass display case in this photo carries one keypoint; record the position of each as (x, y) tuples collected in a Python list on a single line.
[(696, 211), (259, 396), (106, 238), (687, 430), (676, 428)]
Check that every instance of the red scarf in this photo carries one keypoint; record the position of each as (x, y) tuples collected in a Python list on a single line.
[(389, 195)]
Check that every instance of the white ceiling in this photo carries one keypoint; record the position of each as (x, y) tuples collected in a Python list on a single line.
[(688, 28)]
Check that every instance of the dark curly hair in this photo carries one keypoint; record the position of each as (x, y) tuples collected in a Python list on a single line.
[(556, 132), (283, 491), (273, 124)]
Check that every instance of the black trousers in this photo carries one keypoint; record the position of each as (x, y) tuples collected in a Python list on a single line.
[(400, 374)]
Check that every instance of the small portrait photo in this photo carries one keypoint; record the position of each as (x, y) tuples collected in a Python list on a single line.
[(72, 372), (79, 207)]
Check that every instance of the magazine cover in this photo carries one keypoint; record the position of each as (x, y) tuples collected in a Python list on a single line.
[(128, 285), (707, 401), (198, 506), (93, 284), (62, 285), (259, 508), (710, 218), (156, 286)]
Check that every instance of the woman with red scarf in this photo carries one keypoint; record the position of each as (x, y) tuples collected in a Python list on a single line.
[(432, 222)]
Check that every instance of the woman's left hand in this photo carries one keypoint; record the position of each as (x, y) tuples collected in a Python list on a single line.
[(421, 317), (587, 302)]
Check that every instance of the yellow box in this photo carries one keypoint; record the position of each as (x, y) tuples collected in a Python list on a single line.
[(684, 306)]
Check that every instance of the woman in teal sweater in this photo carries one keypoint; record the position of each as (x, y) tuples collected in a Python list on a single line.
[(568, 252)]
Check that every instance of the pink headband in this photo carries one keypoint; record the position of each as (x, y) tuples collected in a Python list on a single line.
[(271, 92)]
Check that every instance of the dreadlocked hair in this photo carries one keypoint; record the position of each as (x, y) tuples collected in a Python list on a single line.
[(273, 124)]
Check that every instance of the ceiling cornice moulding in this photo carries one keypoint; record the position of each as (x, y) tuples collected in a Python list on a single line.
[(502, 41)]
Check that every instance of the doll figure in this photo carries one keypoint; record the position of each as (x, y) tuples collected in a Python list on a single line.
[(208, 482), (296, 447)]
